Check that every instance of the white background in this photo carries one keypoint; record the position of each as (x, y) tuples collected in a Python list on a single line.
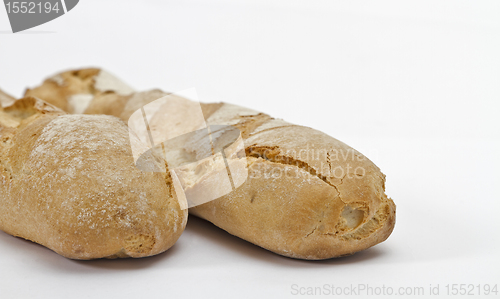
[(414, 86)]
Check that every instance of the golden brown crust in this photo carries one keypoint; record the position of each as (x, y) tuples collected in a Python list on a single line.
[(332, 202), (69, 182), (89, 91), (5, 99), (307, 196)]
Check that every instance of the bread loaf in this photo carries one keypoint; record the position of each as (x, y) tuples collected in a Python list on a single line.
[(90, 91), (5, 99), (307, 195), (69, 182)]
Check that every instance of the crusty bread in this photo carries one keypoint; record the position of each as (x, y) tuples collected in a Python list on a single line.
[(69, 182), (90, 91), (307, 195), (5, 99)]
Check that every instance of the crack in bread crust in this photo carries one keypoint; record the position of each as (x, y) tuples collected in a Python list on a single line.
[(272, 154)]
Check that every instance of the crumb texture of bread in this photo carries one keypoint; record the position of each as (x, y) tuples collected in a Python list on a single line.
[(69, 182)]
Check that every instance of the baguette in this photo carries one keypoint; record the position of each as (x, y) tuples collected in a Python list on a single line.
[(69, 182), (307, 195), (90, 91), (5, 99)]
